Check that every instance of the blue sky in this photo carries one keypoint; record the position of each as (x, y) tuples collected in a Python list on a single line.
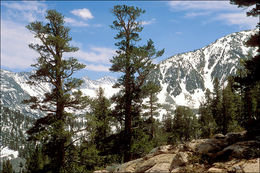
[(176, 26)]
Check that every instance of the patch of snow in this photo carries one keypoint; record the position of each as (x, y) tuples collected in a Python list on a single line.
[(7, 153)]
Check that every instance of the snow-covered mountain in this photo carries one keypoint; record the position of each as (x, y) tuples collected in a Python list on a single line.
[(90, 87), (14, 89), (183, 77)]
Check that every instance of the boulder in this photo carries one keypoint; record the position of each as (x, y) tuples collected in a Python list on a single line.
[(165, 149), (112, 168), (234, 137), (217, 143), (195, 143), (128, 166), (223, 153), (219, 136), (161, 150), (160, 167), (158, 159), (240, 150), (176, 170), (238, 166), (236, 169), (251, 165), (180, 159), (211, 146), (216, 170), (182, 148)]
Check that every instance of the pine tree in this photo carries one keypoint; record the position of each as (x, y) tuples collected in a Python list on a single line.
[(253, 41), (101, 118), (151, 105), (251, 81), (101, 112), (167, 128), (167, 124), (185, 124), (206, 120), (220, 113), (89, 157), (53, 69), (223, 107), (134, 62), (229, 108), (216, 107), (36, 160)]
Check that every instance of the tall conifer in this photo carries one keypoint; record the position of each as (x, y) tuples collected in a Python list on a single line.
[(185, 124), (216, 106), (134, 62), (206, 120), (52, 68), (151, 105)]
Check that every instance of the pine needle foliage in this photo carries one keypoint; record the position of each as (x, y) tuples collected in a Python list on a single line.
[(135, 64), (53, 69), (249, 83)]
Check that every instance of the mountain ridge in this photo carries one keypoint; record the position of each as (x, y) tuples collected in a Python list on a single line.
[(183, 77), (14, 89)]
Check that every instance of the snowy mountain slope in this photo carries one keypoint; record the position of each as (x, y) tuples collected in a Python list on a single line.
[(90, 87), (14, 89), (184, 77)]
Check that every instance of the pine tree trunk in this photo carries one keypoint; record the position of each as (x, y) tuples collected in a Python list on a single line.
[(128, 119), (128, 104), (60, 117), (151, 113)]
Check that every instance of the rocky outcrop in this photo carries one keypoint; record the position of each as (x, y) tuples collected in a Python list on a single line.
[(229, 153)]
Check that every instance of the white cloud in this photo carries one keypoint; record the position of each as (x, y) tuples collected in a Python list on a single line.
[(15, 52), (148, 22), (216, 10), (73, 22), (83, 13), (195, 14), (100, 68), (95, 54), (28, 11), (26, 6), (201, 5), (96, 58), (238, 19), (178, 33), (99, 56), (76, 44)]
